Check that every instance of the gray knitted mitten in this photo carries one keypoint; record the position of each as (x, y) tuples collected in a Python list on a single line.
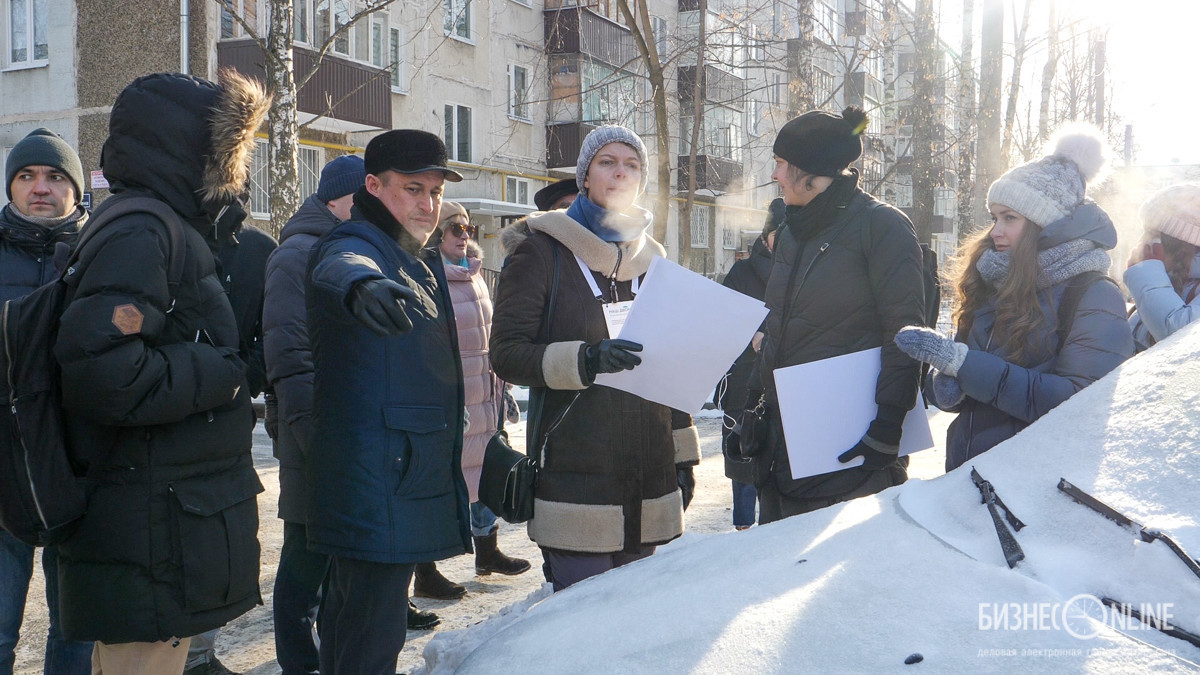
[(928, 346)]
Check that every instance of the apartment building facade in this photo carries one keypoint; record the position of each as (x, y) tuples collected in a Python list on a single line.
[(512, 85)]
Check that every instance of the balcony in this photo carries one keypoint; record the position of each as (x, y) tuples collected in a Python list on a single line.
[(716, 85), (712, 173), (563, 142), (360, 95), (579, 30)]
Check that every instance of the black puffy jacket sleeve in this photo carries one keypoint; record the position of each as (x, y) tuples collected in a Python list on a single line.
[(124, 360)]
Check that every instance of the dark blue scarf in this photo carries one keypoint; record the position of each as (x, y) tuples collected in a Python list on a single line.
[(600, 221)]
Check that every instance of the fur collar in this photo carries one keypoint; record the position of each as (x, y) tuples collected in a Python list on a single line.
[(599, 255), (239, 111)]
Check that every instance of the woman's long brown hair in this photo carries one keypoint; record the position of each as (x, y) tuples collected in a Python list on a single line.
[(1018, 312)]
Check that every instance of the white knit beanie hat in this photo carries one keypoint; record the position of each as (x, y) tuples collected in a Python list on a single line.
[(1174, 211), (1051, 188), (602, 136)]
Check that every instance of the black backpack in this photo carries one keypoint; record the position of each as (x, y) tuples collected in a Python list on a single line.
[(40, 497)]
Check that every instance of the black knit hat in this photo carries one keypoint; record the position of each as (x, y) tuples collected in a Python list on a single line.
[(553, 192), (821, 143), (408, 151), (43, 147)]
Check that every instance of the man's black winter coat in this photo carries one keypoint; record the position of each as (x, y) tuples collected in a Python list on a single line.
[(858, 281)]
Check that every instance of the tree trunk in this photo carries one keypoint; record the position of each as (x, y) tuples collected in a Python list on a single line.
[(989, 161), (1014, 85), (923, 113), (641, 28), (966, 106), (699, 94), (283, 134), (799, 63), (1048, 73)]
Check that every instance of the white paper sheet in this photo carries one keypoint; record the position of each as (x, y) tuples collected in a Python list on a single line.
[(691, 329), (826, 407)]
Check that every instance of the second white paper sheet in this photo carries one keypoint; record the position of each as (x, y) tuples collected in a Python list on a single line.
[(826, 407), (691, 329)]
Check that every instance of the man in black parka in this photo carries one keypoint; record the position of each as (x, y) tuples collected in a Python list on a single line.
[(847, 276), (158, 416)]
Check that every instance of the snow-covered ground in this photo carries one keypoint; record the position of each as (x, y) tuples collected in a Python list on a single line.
[(916, 573)]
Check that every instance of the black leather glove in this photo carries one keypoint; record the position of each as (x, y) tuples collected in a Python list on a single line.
[(271, 415), (610, 356), (686, 478), (879, 447), (378, 304)]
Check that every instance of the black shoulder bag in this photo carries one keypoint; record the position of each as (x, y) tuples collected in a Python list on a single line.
[(508, 477)]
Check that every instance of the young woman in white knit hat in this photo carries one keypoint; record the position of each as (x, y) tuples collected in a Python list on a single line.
[(1037, 317), (1164, 270)]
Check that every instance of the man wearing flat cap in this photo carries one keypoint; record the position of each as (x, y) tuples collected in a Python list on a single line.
[(386, 489), (847, 276)]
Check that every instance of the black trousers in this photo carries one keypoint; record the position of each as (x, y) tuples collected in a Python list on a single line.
[(363, 617), (297, 597)]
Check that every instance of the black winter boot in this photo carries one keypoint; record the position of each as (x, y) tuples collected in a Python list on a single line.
[(429, 583), (488, 558), (419, 620)]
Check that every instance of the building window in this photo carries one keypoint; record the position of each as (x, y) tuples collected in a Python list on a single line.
[(458, 19), (700, 225), (658, 26), (729, 238), (27, 44), (516, 190), (301, 16), (518, 92), (309, 161), (458, 132), (231, 27), (394, 61)]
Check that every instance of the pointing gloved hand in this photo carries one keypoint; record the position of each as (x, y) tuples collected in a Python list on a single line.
[(879, 447), (929, 346), (378, 304), (685, 476), (610, 356)]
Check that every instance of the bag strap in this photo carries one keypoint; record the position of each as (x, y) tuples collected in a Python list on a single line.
[(120, 206)]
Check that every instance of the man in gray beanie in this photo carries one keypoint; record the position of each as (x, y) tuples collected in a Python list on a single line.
[(43, 181)]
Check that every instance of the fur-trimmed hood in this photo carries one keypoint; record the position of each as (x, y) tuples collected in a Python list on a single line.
[(186, 139), (599, 255), (512, 236)]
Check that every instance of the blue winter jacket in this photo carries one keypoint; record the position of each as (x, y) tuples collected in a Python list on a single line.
[(384, 468), (1003, 398), (1160, 310)]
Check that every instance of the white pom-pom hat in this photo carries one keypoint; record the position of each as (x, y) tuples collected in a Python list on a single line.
[(1174, 211), (1051, 188)]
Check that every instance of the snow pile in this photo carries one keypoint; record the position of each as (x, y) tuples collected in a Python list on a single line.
[(916, 570)]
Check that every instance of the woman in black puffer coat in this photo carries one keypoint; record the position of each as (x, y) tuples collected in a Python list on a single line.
[(159, 420)]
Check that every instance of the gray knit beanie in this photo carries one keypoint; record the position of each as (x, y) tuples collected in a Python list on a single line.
[(602, 136), (1174, 211), (43, 147), (1049, 189)]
